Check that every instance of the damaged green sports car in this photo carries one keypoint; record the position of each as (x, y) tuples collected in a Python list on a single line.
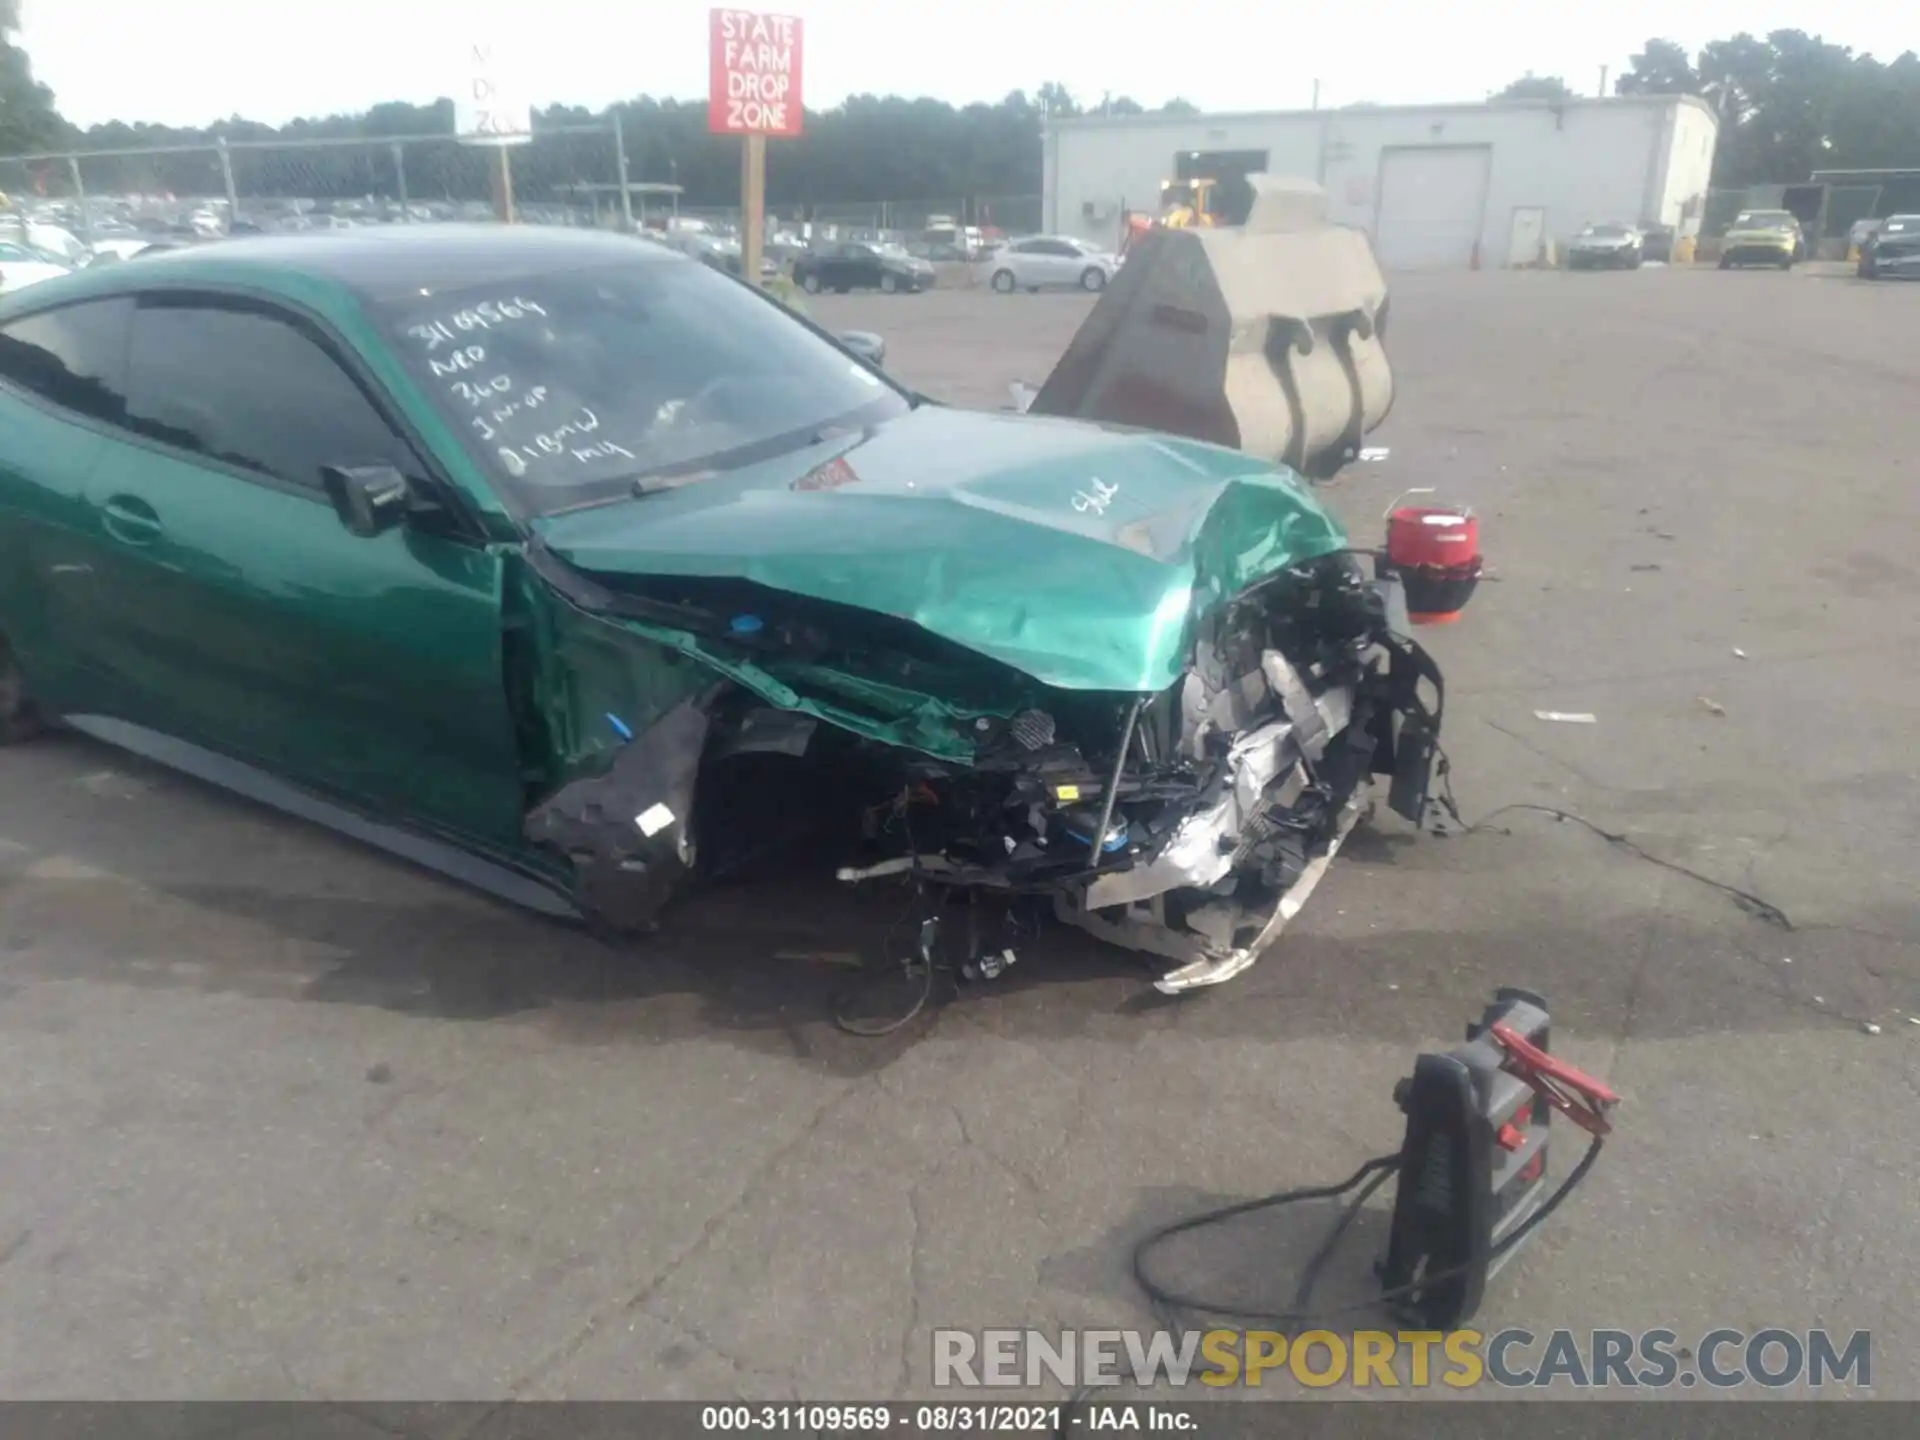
[(574, 569)]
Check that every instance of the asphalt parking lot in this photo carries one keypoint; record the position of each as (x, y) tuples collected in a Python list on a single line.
[(283, 1118)]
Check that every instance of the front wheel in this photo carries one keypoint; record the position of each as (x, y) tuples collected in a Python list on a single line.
[(18, 719), (1726, 263), (1003, 281), (1787, 264), (1093, 279), (888, 285), (810, 283)]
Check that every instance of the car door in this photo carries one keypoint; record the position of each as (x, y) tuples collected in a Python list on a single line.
[(230, 606), (1027, 264), (62, 384), (1065, 263), (863, 268)]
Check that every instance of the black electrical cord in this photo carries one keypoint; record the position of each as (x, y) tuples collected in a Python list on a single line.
[(1754, 905), (1367, 1179)]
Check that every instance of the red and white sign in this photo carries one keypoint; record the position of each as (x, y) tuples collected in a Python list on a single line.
[(753, 84)]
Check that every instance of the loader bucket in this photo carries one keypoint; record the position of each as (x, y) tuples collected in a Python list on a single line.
[(1266, 337)]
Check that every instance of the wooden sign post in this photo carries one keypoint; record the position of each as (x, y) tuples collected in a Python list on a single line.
[(753, 91)]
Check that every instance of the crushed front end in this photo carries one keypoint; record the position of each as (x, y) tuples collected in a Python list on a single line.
[(1191, 824)]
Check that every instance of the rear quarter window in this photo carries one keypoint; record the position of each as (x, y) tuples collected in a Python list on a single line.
[(73, 356)]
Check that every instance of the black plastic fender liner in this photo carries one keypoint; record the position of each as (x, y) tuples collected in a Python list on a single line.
[(628, 831)]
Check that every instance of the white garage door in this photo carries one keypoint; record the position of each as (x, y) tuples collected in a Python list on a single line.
[(1433, 203)]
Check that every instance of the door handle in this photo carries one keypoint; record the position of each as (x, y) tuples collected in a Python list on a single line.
[(131, 520)]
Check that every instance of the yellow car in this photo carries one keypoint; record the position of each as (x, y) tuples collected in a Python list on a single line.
[(1763, 237)]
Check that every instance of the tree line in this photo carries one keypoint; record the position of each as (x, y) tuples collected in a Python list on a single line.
[(1788, 103)]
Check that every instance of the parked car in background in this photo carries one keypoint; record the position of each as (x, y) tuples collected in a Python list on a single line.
[(1656, 243), (22, 265), (1892, 250), (862, 265), (1046, 262), (1605, 246), (867, 345), (1763, 237), (56, 242), (112, 249)]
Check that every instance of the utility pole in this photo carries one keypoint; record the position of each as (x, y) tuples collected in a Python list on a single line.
[(1603, 82), (620, 165), (1316, 94)]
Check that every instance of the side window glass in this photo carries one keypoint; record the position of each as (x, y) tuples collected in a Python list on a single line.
[(253, 389), (73, 357)]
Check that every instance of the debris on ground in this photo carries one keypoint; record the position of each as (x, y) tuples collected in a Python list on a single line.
[(1567, 717), (1374, 454), (1712, 707), (1871, 1028), (1738, 653), (1651, 566)]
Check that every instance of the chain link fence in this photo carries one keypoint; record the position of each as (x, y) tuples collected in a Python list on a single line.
[(566, 175)]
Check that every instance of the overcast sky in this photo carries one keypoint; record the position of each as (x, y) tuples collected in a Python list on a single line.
[(186, 62)]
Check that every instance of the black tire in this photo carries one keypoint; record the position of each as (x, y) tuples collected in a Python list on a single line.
[(889, 285), (1093, 279), (1003, 281), (810, 283), (1787, 264), (18, 719), (1726, 262)]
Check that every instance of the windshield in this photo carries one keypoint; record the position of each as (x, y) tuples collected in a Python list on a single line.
[(1606, 232), (898, 252), (1764, 220), (571, 387)]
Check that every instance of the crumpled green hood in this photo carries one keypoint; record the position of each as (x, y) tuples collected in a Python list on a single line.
[(1076, 554)]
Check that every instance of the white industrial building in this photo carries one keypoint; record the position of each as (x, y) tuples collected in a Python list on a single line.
[(1437, 186)]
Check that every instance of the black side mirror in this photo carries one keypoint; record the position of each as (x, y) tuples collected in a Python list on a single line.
[(369, 499)]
